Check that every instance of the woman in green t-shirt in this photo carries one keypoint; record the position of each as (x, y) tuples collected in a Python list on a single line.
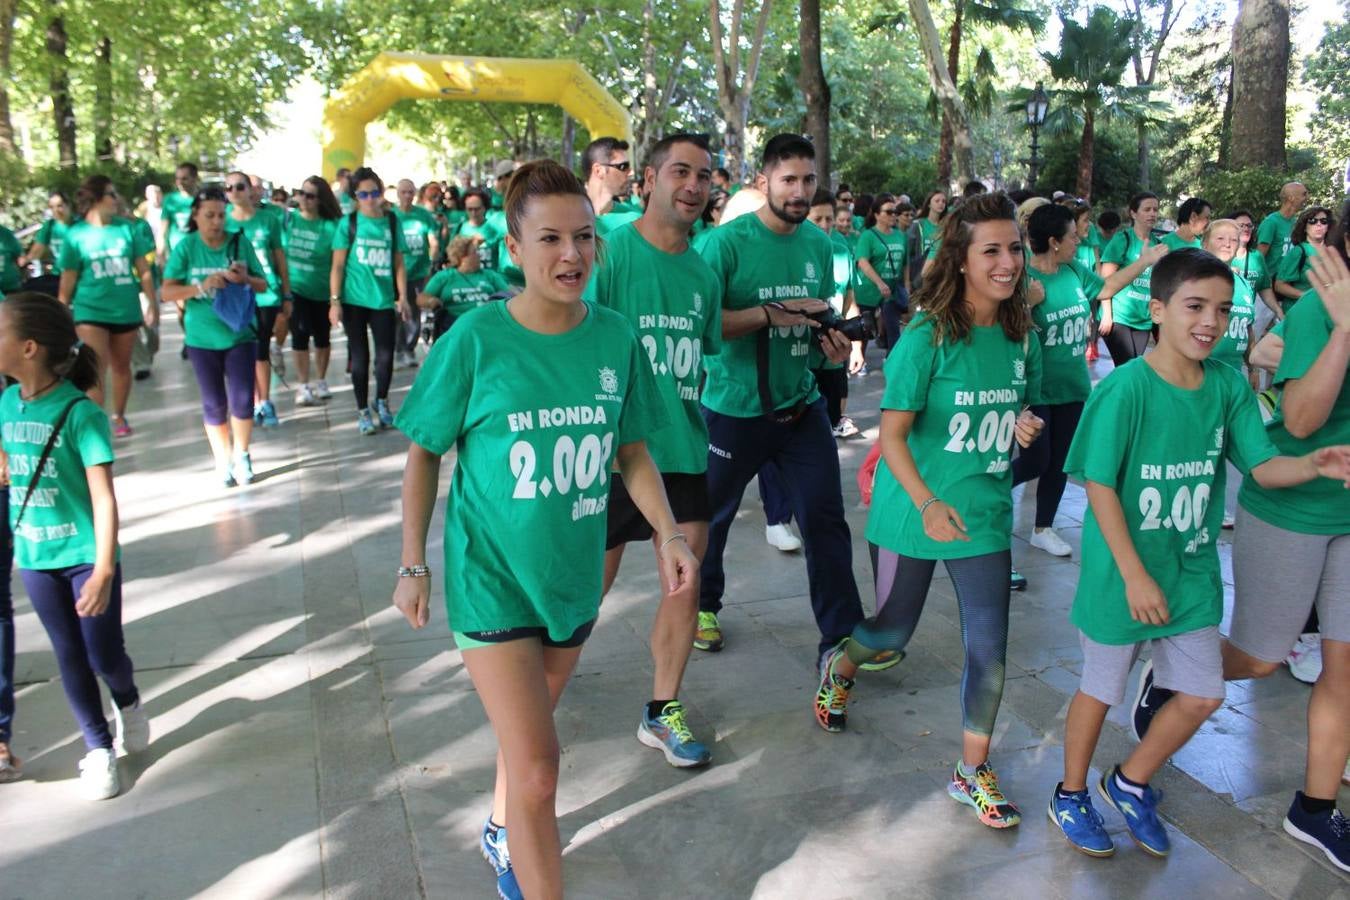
[(923, 233), (51, 237), (1192, 219), (536, 431), (1125, 324), (202, 263), (1063, 327), (367, 278), (1251, 265), (103, 273), (461, 287), (957, 391), (881, 253), (309, 255), (1306, 241), (64, 523), (1222, 239)]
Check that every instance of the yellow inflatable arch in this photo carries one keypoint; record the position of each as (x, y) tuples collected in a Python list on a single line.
[(391, 77)]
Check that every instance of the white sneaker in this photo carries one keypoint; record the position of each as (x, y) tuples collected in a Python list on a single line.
[(277, 357), (131, 729), (321, 390), (304, 396), (1305, 660), (780, 537), (98, 775), (1050, 541), (846, 428)]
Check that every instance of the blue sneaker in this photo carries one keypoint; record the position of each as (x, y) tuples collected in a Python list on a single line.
[(1017, 581), (1148, 699), (384, 414), (1328, 832), (670, 734), (1081, 824), (493, 847), (267, 414), (1141, 814), (365, 423)]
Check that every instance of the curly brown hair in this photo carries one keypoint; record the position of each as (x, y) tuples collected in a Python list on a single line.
[(943, 294)]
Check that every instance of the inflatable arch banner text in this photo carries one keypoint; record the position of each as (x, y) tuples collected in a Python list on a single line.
[(391, 77)]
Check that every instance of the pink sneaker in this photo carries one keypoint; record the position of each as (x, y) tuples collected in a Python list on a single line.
[(121, 428)]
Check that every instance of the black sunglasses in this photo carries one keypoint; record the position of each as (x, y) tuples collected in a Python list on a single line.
[(621, 166), (309, 195), (1320, 220), (845, 199), (237, 186), (889, 212)]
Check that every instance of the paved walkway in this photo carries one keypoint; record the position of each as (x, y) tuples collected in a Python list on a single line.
[(307, 743)]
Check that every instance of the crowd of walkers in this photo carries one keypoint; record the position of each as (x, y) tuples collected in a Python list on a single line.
[(613, 358)]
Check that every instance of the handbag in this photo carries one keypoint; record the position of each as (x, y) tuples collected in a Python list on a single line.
[(235, 304)]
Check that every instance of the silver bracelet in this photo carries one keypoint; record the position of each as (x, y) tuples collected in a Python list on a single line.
[(414, 572), (927, 503), (677, 536)]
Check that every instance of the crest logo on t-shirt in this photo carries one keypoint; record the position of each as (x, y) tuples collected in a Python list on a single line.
[(810, 271), (1218, 437), (698, 302), (609, 381), (1019, 369)]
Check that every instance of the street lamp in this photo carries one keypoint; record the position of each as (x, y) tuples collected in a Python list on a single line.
[(1038, 104)]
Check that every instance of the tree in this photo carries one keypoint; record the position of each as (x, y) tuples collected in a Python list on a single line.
[(1260, 80), (63, 110), (1326, 71), (815, 89), (1149, 39), (8, 9), (1088, 68), (734, 86)]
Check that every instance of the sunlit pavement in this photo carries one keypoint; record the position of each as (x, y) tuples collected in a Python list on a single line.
[(307, 742)]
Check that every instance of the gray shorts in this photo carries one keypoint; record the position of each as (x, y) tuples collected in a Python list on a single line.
[(1190, 663), (1278, 576)]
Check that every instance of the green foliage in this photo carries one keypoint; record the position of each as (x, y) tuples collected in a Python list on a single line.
[(1256, 189), (1114, 175), (24, 191), (875, 170), (1326, 71)]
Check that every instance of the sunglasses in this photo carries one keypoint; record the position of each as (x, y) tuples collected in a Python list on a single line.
[(621, 166), (309, 195), (1320, 220), (845, 199), (889, 212), (367, 195), (237, 186)]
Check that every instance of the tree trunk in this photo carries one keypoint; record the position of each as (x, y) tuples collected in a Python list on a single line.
[(953, 67), (1226, 129), (815, 89), (8, 9), (1085, 160), (1260, 80), (103, 99), (569, 141), (1143, 175), (734, 87), (941, 81), (63, 110)]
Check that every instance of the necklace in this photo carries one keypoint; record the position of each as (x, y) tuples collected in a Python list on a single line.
[(24, 401)]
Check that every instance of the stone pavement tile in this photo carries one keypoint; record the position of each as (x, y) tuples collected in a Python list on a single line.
[(1236, 755)]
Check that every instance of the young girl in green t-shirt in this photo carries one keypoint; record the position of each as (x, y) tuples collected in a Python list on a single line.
[(64, 523), (536, 432)]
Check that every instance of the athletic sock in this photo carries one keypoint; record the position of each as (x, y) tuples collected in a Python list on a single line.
[(1068, 795), (1128, 786), (656, 707), (965, 771), (493, 827), (1314, 806)]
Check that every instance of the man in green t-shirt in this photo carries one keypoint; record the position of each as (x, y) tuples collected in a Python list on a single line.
[(420, 233), (1152, 448), (176, 209), (1272, 238), (760, 400), (673, 300), (606, 169)]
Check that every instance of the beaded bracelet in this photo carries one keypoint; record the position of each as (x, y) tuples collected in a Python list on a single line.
[(414, 572), (923, 508), (677, 536)]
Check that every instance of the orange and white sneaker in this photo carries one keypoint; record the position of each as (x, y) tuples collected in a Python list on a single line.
[(981, 792)]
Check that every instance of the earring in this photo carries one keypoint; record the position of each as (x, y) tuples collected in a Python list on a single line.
[(963, 270)]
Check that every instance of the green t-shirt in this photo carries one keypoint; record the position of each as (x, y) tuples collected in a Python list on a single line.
[(1231, 348), (966, 396), (309, 257), (58, 527), (1129, 307), (263, 231), (755, 266), (346, 202), (674, 303), (846, 277), (1161, 449), (1293, 270), (495, 199), (1321, 506), (928, 235), (461, 292), (174, 213), (191, 262), (1063, 323), (369, 278), (888, 255), (1275, 230), (418, 225), (1252, 266), (536, 430), (615, 219), (1176, 242), (11, 276), (51, 235), (107, 288), (490, 248)]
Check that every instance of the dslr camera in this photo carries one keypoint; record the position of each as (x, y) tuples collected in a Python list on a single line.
[(853, 329)]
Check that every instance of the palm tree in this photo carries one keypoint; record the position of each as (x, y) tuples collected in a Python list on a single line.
[(1088, 69)]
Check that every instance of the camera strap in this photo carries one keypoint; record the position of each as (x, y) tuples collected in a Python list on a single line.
[(762, 338)]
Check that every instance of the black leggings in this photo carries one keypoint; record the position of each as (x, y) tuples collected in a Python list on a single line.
[(1044, 459), (833, 384), (1125, 343), (982, 587), (383, 324), (310, 321)]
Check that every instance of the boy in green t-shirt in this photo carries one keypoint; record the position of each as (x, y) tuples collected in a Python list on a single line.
[(1151, 450)]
